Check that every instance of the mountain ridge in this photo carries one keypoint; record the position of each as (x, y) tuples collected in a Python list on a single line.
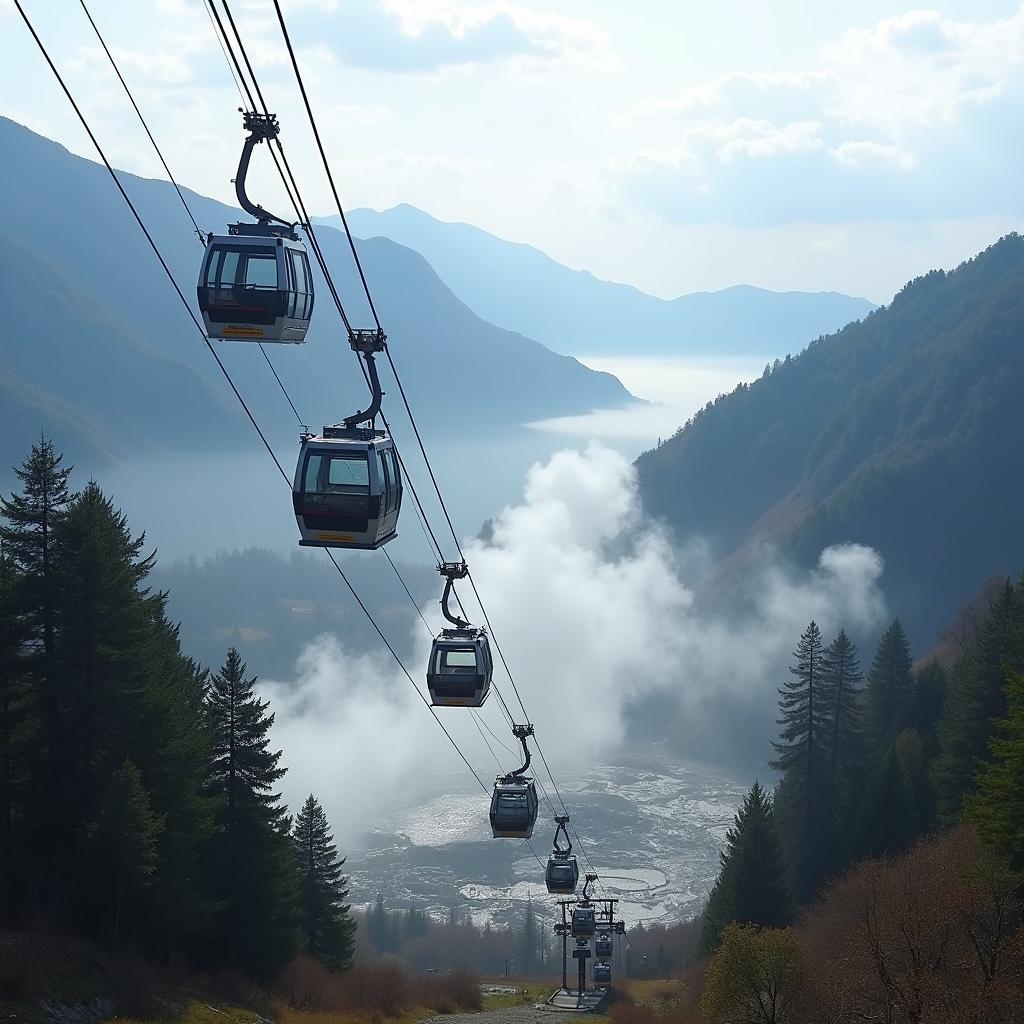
[(520, 287), (898, 432), (90, 243)]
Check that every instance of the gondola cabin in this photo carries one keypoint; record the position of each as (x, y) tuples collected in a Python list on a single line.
[(255, 285), (460, 668), (562, 874), (603, 946), (347, 490), (584, 921), (513, 807), (602, 974)]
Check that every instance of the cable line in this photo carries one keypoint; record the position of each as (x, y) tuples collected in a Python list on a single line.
[(156, 251), (184, 202), (405, 401), (142, 120), (323, 157), (145, 230)]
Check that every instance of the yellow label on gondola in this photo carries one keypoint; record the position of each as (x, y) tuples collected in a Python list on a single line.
[(242, 332), (343, 538)]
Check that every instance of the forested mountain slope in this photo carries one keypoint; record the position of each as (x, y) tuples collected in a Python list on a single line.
[(93, 322), (572, 311), (902, 432)]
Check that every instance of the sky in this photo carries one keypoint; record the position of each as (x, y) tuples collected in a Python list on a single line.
[(673, 146)]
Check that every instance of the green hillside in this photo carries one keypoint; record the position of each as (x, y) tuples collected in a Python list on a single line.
[(902, 432)]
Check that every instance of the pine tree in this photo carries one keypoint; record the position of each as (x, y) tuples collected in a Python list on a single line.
[(752, 886), (841, 678), (325, 921), (16, 725), (27, 541), (122, 851), (976, 698), (252, 869), (104, 615), (172, 744), (889, 689), (997, 808), (27, 538), (804, 726)]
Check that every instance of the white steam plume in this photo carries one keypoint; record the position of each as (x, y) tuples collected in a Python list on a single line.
[(588, 603)]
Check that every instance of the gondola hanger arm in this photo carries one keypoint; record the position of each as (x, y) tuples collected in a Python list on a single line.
[(521, 732), (261, 128), (452, 571)]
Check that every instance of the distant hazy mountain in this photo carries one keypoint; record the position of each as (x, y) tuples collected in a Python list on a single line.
[(571, 311), (902, 432), (97, 346)]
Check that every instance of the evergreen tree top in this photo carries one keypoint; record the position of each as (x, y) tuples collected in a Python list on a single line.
[(243, 768)]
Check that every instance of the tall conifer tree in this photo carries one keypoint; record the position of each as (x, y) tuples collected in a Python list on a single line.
[(172, 746), (804, 725), (997, 808), (252, 868), (889, 689), (122, 853), (29, 522), (976, 698), (841, 679), (752, 885), (15, 724), (326, 923), (104, 615)]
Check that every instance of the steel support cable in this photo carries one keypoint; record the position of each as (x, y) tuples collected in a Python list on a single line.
[(369, 299), (323, 157), (483, 736), (395, 655), (288, 180), (304, 217), (408, 592), (145, 230), (355, 257), (302, 214), (99, 149), (394, 370), (170, 175), (142, 120), (234, 77), (237, 73)]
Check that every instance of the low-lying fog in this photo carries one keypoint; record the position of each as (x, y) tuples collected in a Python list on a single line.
[(596, 617), (593, 615), (196, 506)]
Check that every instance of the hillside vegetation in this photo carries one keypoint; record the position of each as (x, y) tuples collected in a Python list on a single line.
[(901, 432)]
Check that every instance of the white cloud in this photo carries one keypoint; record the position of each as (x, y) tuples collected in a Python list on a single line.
[(162, 68), (592, 611), (429, 35), (912, 118)]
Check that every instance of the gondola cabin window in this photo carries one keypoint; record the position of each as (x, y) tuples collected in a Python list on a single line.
[(337, 474), (456, 659)]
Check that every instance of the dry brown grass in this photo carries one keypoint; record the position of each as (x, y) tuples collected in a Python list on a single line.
[(374, 991)]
